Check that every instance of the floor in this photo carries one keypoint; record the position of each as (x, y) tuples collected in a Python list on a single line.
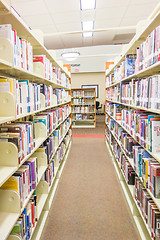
[(89, 203)]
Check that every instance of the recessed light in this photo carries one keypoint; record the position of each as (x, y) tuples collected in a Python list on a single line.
[(70, 56), (87, 4)]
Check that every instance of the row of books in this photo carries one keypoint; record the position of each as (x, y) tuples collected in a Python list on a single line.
[(114, 110), (147, 206), (144, 92), (124, 164), (148, 52), (27, 220), (61, 78), (125, 69), (23, 57), (144, 127), (46, 65), (113, 93), (62, 95), (83, 101), (80, 116), (24, 180), (49, 174), (149, 209), (49, 146), (82, 93), (28, 96), (82, 109), (22, 134), (144, 164), (22, 49), (52, 118)]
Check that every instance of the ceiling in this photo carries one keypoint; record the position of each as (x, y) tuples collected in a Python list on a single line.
[(61, 20)]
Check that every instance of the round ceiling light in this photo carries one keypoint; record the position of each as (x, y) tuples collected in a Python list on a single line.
[(70, 56)]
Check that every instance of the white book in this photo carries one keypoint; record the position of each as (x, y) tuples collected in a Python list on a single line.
[(6, 31), (155, 140)]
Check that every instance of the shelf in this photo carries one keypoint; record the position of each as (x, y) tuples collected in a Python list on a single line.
[(84, 112), (130, 160), (152, 70), (40, 226), (154, 155), (12, 169), (129, 194), (82, 104), (7, 119), (136, 107), (7, 219), (83, 97), (87, 120), (83, 126)]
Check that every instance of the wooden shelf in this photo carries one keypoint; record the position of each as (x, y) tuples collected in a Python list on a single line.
[(154, 155), (136, 107), (129, 194)]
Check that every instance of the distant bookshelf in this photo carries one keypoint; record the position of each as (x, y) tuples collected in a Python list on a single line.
[(83, 107)]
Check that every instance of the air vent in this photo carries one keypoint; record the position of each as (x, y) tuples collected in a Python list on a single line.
[(123, 37)]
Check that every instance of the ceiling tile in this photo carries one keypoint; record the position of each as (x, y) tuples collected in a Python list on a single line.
[(139, 2), (110, 13), (62, 6), (111, 3), (47, 28), (132, 21), (30, 7), (103, 37), (53, 42), (88, 15), (65, 27), (38, 20), (135, 11), (109, 23), (67, 17)]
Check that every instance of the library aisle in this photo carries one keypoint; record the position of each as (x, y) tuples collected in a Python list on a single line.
[(89, 203)]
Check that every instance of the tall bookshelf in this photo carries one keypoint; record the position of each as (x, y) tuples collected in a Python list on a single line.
[(58, 85), (127, 95), (83, 107)]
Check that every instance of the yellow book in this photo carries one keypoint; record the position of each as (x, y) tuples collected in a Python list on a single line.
[(8, 85), (13, 183)]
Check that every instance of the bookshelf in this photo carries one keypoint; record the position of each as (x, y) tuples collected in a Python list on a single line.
[(83, 107), (132, 111), (47, 94)]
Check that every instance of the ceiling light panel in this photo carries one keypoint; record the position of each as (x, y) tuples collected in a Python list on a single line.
[(87, 4), (87, 25), (87, 34)]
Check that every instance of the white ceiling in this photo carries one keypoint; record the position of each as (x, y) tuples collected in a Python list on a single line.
[(55, 18)]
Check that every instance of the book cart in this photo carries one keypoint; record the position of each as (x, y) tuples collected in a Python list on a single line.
[(11, 207), (83, 108), (126, 96)]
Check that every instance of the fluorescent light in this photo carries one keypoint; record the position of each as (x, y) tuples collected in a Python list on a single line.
[(70, 56), (87, 25), (87, 34), (87, 4)]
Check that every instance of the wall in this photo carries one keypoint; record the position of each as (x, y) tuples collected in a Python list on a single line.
[(79, 79)]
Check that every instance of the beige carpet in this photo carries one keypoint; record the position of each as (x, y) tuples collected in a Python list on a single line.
[(89, 203)]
